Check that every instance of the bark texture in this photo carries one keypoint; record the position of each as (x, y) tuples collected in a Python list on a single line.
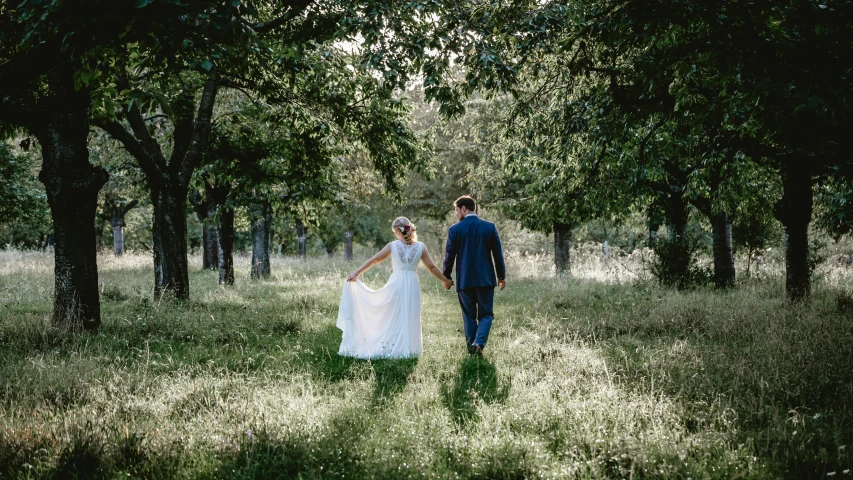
[(721, 230), (261, 237), (348, 238), (72, 186), (210, 247), (99, 237), (724, 261), (302, 239), (205, 210), (794, 210), (169, 178), (226, 247), (117, 222), (678, 250), (562, 247), (169, 229)]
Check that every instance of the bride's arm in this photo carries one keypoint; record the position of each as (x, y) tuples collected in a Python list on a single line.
[(434, 270), (381, 255)]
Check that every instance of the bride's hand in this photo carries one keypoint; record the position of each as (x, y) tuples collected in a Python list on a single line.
[(352, 277), (447, 284)]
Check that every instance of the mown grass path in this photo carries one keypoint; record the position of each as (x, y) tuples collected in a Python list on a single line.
[(580, 380)]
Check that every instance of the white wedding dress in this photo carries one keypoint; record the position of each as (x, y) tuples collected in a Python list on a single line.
[(384, 323)]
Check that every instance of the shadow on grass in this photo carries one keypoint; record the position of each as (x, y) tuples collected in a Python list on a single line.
[(391, 378), (769, 379), (391, 375), (476, 384), (332, 453)]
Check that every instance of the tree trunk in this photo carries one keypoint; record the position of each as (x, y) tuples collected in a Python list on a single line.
[(261, 237), (72, 186), (226, 247), (794, 210), (210, 247), (117, 222), (169, 230), (204, 210), (678, 263), (724, 262), (655, 221), (348, 237), (301, 233), (118, 240), (99, 237), (169, 179), (562, 246)]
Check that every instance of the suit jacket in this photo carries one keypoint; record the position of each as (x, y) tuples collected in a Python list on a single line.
[(476, 248)]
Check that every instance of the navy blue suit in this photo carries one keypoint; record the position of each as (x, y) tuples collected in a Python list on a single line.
[(474, 245)]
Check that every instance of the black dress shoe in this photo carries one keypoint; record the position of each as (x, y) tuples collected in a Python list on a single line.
[(475, 349)]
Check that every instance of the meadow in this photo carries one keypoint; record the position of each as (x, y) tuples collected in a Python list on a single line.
[(602, 375)]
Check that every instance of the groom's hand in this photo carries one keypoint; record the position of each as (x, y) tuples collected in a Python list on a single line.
[(501, 284), (448, 284)]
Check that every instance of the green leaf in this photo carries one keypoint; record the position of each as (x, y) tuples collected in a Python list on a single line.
[(207, 65)]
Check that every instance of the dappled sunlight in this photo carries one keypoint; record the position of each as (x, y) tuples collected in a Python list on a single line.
[(581, 378)]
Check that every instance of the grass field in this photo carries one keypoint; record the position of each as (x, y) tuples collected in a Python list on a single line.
[(581, 379)]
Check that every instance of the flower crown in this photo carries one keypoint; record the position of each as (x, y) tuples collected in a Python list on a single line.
[(404, 229)]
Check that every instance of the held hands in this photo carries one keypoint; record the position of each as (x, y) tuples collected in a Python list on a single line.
[(501, 284), (447, 284), (352, 277)]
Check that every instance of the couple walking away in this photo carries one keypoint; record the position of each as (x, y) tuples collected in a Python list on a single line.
[(386, 323)]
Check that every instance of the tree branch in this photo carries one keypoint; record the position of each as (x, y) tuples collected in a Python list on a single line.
[(183, 111), (140, 130), (201, 129), (231, 83), (116, 130), (702, 204), (130, 206), (295, 8)]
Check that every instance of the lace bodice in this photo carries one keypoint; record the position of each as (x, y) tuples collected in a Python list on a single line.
[(406, 257)]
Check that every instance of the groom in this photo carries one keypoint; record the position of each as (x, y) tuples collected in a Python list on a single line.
[(475, 246)]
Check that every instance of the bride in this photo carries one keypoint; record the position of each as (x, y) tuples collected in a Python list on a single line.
[(386, 323)]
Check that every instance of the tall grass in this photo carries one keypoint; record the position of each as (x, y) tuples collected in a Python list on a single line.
[(595, 376)]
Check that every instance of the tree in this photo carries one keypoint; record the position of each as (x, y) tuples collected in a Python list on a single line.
[(122, 193), (56, 113), (767, 82), (24, 212), (205, 209), (53, 60), (62, 60)]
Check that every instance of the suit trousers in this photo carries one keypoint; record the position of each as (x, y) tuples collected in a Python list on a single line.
[(477, 313)]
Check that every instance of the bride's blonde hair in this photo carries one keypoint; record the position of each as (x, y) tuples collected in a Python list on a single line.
[(406, 228)]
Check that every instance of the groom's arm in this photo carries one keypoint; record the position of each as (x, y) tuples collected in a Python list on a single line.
[(498, 257), (449, 254)]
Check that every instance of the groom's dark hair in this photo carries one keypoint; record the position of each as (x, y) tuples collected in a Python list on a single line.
[(467, 202)]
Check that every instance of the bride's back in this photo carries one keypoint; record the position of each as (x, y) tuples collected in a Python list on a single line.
[(405, 257)]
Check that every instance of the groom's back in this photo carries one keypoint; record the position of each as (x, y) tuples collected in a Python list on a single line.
[(477, 248)]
